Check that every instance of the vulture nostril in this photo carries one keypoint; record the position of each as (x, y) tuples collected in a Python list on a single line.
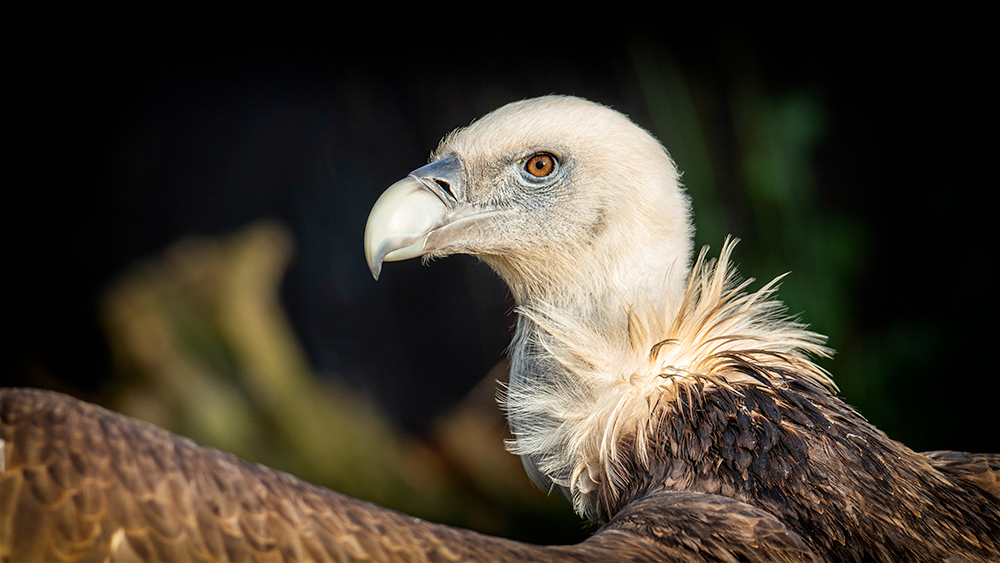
[(445, 187)]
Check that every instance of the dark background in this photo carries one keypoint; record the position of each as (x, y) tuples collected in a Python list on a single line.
[(125, 141)]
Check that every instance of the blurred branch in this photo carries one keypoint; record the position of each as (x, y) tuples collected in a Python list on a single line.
[(201, 345)]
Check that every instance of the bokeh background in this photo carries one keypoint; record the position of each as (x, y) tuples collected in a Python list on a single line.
[(186, 208)]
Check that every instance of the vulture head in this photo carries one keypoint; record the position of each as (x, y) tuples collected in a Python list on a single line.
[(561, 196), (581, 213)]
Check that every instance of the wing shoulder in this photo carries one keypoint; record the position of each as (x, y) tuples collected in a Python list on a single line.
[(691, 526)]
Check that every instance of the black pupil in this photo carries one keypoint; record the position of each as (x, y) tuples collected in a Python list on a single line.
[(540, 163)]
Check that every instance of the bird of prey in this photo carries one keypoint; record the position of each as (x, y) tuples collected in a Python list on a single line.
[(675, 408)]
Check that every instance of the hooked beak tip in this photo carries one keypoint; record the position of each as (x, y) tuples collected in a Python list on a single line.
[(410, 210), (399, 223)]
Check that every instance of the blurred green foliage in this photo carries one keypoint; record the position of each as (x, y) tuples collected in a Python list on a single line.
[(747, 158), (881, 248)]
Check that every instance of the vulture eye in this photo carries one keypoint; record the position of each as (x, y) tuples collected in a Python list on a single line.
[(540, 165)]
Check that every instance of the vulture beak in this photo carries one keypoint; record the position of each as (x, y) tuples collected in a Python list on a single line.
[(424, 212)]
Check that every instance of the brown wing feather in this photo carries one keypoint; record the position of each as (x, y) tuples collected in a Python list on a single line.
[(83, 483)]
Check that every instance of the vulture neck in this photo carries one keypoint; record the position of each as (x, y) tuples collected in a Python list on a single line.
[(574, 337), (592, 373), (599, 281)]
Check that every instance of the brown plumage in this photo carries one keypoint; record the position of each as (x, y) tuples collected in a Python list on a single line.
[(82, 483), (671, 406)]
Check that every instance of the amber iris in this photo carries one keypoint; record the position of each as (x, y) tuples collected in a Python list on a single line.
[(540, 165)]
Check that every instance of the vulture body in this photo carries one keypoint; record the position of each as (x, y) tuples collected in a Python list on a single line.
[(673, 407)]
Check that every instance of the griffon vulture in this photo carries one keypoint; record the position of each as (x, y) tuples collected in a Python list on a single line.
[(673, 407)]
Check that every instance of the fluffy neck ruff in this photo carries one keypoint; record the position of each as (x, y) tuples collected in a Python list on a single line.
[(585, 391)]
